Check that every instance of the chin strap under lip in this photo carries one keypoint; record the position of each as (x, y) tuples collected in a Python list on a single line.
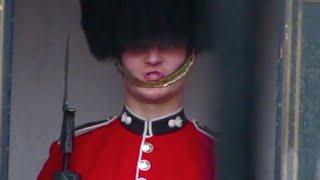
[(166, 81)]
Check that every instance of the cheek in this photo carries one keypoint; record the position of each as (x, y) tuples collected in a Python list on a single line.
[(132, 59), (126, 62), (131, 64), (175, 65)]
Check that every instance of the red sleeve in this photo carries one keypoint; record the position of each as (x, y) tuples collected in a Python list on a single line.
[(53, 164)]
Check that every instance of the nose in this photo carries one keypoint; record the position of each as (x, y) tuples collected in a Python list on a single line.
[(154, 57)]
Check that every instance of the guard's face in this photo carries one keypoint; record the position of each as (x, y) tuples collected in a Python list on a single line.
[(153, 64)]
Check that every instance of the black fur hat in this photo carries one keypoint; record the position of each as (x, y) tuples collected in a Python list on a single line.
[(112, 26)]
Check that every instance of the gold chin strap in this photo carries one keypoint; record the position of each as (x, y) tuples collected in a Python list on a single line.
[(172, 78)]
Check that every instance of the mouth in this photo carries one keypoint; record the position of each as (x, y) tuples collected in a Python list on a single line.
[(153, 76)]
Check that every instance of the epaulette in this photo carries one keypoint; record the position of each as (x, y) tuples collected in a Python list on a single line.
[(205, 129), (88, 127)]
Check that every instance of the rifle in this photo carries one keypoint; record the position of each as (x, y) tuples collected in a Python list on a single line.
[(67, 130)]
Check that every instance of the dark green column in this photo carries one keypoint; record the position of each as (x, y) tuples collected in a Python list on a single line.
[(298, 132)]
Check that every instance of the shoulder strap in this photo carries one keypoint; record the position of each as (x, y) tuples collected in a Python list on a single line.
[(88, 127), (205, 129)]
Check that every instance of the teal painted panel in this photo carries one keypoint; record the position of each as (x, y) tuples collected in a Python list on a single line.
[(309, 129)]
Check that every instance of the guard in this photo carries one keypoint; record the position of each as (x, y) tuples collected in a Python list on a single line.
[(154, 43)]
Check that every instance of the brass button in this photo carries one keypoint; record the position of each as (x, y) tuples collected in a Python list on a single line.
[(144, 165), (147, 147)]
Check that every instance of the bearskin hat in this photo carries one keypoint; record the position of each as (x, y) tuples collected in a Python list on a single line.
[(112, 26)]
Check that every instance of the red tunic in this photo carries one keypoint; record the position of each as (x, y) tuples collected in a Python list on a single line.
[(129, 148)]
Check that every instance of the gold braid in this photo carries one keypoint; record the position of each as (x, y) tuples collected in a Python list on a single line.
[(172, 78)]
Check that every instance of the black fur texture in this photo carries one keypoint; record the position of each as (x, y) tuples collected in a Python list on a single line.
[(113, 26)]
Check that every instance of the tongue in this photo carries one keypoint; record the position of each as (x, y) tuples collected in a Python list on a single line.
[(153, 76)]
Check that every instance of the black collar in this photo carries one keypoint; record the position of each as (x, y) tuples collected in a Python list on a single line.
[(162, 125)]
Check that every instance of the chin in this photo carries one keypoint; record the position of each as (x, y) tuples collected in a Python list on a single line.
[(154, 95)]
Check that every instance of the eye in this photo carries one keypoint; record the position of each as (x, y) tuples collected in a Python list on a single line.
[(136, 50), (172, 46)]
